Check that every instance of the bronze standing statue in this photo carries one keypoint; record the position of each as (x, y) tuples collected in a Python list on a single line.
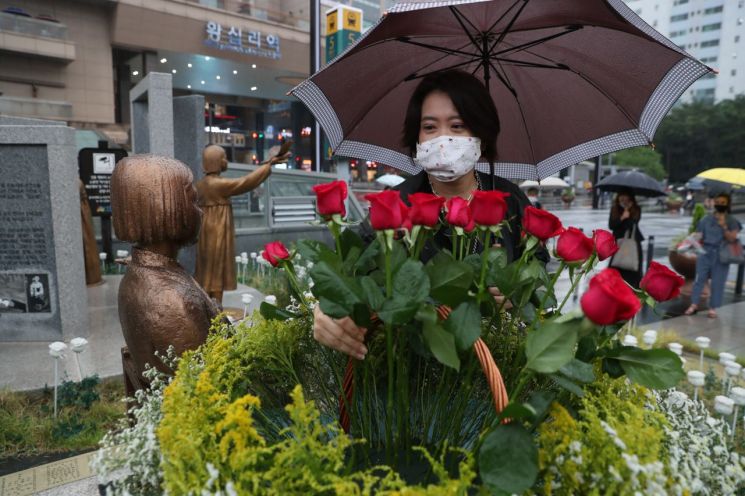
[(216, 247), (155, 208), (90, 247)]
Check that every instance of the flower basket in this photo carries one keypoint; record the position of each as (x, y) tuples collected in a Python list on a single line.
[(447, 374)]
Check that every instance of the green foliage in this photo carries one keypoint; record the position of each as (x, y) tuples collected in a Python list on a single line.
[(27, 426), (644, 158), (697, 136), (508, 459), (699, 212), (215, 433), (614, 447), (78, 394)]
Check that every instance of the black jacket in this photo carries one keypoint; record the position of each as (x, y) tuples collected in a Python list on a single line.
[(516, 203)]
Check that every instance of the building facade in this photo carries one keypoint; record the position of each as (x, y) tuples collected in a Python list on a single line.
[(76, 60), (713, 31)]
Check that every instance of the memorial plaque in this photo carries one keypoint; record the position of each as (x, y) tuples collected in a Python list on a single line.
[(42, 279), (27, 257)]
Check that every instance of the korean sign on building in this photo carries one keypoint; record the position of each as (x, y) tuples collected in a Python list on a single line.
[(237, 40)]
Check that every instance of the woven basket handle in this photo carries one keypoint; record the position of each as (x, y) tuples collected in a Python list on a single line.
[(488, 365)]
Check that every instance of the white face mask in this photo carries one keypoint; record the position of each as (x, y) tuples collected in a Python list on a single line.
[(447, 158)]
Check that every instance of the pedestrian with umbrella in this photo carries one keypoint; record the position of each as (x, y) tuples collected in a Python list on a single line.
[(625, 215), (623, 222), (718, 230)]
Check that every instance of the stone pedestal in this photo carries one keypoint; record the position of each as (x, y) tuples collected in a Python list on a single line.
[(42, 276)]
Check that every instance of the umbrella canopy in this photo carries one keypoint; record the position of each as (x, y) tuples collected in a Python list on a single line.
[(729, 175), (635, 182), (571, 79), (391, 180), (548, 183)]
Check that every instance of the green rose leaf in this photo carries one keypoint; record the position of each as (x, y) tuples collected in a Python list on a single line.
[(271, 312), (316, 252), (442, 345), (349, 239), (655, 369), (331, 286), (398, 311), (518, 411), (465, 324), (366, 262), (333, 309), (567, 384), (550, 347), (372, 293), (612, 367), (508, 459), (449, 280), (411, 282), (578, 370)]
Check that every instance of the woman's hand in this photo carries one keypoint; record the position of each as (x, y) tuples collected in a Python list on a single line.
[(731, 235), (499, 298), (626, 214), (339, 334)]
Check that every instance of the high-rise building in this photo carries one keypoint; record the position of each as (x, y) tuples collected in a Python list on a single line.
[(712, 31)]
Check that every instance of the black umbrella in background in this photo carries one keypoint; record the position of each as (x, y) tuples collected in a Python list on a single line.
[(634, 182)]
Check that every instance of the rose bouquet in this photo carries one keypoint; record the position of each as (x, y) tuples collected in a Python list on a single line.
[(444, 354)]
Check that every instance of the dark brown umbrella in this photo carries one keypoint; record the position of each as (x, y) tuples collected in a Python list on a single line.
[(572, 79)]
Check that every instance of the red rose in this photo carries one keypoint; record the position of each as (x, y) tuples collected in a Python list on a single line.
[(274, 252), (387, 211), (489, 207), (609, 299), (661, 283), (605, 244), (330, 198), (540, 223), (459, 214), (425, 209), (574, 246)]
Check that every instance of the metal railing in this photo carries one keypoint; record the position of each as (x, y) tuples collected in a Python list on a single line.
[(32, 27)]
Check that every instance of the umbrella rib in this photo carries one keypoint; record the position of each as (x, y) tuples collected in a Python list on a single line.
[(460, 17), (457, 14), (503, 80), (594, 85), (525, 63), (519, 106), (502, 17), (440, 58), (506, 30), (539, 41), (413, 76), (448, 51)]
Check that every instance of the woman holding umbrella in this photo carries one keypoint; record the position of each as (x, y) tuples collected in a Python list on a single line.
[(625, 215), (451, 122)]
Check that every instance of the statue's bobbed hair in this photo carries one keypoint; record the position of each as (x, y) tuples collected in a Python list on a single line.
[(153, 200)]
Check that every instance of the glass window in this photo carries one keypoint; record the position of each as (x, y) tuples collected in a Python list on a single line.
[(679, 17), (712, 27), (710, 43), (713, 10)]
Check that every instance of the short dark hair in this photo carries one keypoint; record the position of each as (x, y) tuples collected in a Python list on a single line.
[(729, 200), (472, 100)]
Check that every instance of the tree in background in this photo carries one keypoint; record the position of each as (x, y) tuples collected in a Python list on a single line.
[(644, 158), (698, 136)]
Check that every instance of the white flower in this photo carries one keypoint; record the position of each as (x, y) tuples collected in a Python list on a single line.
[(57, 349), (78, 345), (271, 299), (247, 298)]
